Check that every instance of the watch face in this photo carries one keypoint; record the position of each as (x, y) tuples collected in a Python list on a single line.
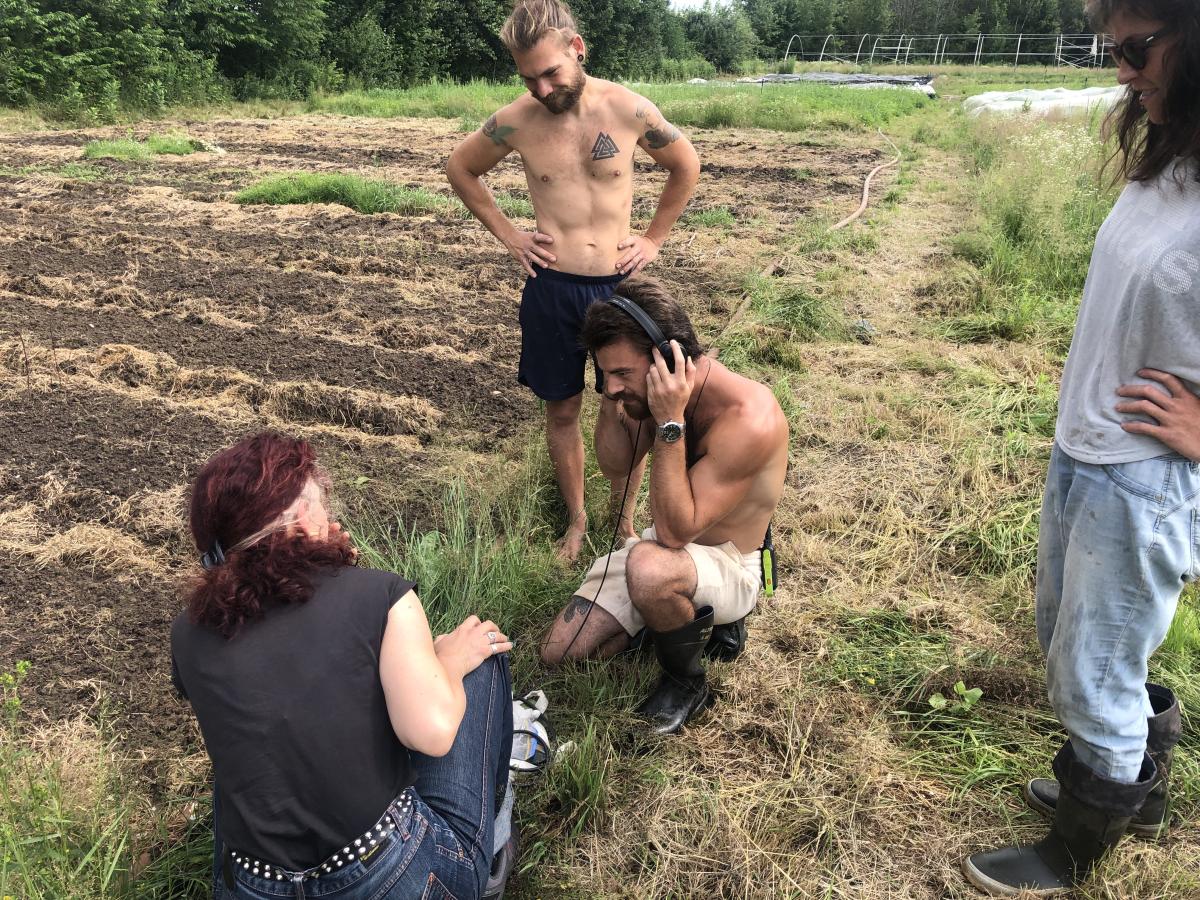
[(670, 432)]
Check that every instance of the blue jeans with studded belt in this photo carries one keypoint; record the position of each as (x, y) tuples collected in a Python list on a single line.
[(441, 845), (1117, 545)]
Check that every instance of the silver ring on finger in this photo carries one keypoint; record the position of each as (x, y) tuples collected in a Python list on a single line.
[(494, 648), (491, 636)]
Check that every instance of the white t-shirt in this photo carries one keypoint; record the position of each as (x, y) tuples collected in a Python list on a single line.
[(1140, 309)]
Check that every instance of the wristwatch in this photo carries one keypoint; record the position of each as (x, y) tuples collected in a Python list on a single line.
[(670, 432)]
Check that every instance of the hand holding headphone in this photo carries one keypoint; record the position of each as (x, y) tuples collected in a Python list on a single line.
[(669, 384)]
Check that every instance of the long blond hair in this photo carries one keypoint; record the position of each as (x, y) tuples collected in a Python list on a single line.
[(532, 20)]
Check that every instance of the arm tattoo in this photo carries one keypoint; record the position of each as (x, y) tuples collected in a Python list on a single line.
[(496, 132), (604, 148), (657, 138), (576, 606), (658, 134)]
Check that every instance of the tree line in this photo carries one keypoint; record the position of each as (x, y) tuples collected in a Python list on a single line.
[(89, 58)]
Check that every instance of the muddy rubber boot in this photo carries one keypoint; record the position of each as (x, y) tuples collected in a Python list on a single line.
[(683, 689), (1093, 813), (727, 641), (1165, 728)]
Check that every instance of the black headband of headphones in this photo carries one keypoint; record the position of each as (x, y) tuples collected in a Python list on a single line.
[(649, 326)]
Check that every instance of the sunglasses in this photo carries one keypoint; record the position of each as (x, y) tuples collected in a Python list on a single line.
[(1135, 51)]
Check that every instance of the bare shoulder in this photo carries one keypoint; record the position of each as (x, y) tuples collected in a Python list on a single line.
[(756, 423), (503, 126)]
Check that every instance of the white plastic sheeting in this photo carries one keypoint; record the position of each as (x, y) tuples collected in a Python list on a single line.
[(921, 83), (1056, 101)]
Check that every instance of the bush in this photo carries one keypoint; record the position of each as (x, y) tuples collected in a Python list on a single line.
[(686, 69)]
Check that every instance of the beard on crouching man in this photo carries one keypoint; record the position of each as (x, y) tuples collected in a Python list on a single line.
[(719, 445)]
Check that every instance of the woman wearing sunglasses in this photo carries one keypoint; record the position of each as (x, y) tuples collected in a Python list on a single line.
[(354, 755), (1120, 525)]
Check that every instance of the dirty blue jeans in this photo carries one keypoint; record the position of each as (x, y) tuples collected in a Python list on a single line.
[(1116, 547), (442, 846)]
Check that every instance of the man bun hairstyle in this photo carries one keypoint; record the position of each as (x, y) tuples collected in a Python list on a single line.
[(532, 20), (605, 324), (1145, 150)]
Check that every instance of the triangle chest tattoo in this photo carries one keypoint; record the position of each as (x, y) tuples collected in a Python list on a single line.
[(604, 148)]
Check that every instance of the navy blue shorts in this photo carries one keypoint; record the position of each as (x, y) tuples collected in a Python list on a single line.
[(552, 309)]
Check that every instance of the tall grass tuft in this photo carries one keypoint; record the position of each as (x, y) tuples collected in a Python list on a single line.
[(489, 553), (121, 148), (1042, 201), (173, 144), (64, 813), (364, 195)]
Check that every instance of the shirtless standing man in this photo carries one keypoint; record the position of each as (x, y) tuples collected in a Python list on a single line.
[(720, 445), (576, 136)]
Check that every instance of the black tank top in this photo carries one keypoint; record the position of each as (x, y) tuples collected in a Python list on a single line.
[(294, 718)]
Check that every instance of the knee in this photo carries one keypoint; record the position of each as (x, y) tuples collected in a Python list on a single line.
[(647, 575), (564, 413)]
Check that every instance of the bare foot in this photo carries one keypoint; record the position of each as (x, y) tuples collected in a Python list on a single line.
[(568, 546)]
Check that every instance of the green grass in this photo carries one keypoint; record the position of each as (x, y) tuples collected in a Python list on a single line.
[(470, 102), (64, 828), (119, 148), (173, 144), (713, 217), (778, 107), (1041, 203), (365, 195), (368, 195)]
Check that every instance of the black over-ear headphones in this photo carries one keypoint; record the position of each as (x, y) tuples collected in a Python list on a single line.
[(649, 326)]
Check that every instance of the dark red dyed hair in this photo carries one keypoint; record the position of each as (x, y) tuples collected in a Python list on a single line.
[(238, 492)]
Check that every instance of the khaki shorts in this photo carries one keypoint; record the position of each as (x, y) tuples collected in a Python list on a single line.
[(726, 579)]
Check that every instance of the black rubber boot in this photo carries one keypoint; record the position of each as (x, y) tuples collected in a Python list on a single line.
[(1093, 813), (683, 689), (727, 641), (1165, 728)]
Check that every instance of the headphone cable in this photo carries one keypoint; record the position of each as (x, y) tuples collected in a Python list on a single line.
[(611, 544)]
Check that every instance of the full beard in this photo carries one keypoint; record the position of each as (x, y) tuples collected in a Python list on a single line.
[(560, 101), (638, 410)]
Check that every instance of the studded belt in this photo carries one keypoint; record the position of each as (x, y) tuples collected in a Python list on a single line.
[(358, 849)]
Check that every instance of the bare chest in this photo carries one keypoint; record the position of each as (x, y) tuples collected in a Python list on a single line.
[(600, 153)]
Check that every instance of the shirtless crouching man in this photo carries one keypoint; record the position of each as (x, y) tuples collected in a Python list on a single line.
[(720, 444), (576, 137)]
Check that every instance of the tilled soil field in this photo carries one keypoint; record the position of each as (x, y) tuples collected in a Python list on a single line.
[(146, 321)]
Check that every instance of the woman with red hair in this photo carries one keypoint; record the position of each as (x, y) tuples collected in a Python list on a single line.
[(353, 753)]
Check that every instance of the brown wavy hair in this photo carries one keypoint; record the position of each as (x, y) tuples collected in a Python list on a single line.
[(1145, 150), (238, 492), (605, 324)]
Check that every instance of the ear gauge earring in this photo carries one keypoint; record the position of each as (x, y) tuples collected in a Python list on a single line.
[(581, 57)]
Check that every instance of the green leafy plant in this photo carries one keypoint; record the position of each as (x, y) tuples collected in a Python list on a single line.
[(967, 698)]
